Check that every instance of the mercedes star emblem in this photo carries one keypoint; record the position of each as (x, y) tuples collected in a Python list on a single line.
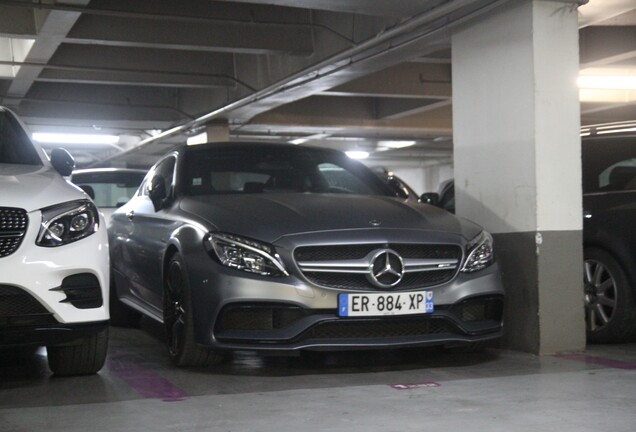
[(386, 269)]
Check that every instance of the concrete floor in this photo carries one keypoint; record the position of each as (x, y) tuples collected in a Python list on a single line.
[(496, 390)]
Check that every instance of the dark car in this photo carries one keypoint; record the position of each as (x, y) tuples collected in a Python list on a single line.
[(609, 204), (282, 248)]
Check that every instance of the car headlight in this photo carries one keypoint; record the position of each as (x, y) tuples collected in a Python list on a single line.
[(245, 254), (480, 253), (67, 222)]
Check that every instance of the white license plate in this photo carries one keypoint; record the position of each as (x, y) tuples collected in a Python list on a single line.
[(379, 304)]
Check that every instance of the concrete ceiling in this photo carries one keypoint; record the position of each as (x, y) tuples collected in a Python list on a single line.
[(340, 73)]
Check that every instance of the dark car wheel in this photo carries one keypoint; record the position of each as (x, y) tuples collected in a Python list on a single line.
[(610, 315), (178, 320)]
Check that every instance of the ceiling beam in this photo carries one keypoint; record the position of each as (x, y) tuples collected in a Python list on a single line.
[(406, 80), (250, 38), (606, 45)]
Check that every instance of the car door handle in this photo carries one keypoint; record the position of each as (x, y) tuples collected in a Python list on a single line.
[(130, 215)]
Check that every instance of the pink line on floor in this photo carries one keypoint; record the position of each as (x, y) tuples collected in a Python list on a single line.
[(598, 361), (146, 382)]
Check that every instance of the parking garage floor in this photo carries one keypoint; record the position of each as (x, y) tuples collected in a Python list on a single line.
[(410, 390)]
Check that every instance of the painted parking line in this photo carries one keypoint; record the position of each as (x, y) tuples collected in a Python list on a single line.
[(146, 382), (599, 361)]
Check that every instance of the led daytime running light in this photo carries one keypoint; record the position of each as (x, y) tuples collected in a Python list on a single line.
[(480, 253), (215, 243)]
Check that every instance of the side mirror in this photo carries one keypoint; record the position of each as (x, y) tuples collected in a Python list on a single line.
[(431, 198), (397, 188), (157, 191), (62, 161)]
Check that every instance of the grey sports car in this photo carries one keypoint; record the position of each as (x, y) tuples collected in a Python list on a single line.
[(277, 247)]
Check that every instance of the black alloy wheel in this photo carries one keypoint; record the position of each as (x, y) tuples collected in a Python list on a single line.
[(178, 319), (610, 315)]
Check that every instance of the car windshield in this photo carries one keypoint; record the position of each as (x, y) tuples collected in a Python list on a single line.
[(609, 164), (15, 145), (273, 169), (109, 188)]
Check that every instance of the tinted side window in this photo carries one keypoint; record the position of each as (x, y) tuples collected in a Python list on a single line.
[(15, 145), (165, 168), (609, 164), (110, 189)]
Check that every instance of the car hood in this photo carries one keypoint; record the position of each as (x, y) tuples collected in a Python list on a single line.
[(34, 187), (268, 217)]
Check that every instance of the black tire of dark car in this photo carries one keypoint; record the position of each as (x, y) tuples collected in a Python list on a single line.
[(83, 358), (120, 314), (178, 320), (610, 314)]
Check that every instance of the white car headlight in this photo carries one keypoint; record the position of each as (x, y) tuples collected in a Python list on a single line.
[(67, 222), (480, 253), (245, 254)]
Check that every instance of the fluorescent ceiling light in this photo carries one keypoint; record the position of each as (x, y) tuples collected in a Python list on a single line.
[(355, 154), (607, 82), (62, 138), (395, 144), (304, 139), (601, 132), (202, 138)]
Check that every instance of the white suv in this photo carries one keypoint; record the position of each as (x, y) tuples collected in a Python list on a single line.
[(54, 268)]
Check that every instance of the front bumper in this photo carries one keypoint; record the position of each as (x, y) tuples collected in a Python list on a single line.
[(51, 293), (234, 310), (51, 334)]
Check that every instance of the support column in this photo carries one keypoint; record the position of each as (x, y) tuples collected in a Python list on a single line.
[(517, 157), (217, 131)]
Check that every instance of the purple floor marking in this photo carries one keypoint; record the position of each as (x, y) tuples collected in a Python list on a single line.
[(599, 361), (146, 382)]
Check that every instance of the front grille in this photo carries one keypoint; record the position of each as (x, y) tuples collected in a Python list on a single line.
[(360, 281), (378, 329), (343, 252), (13, 225), (350, 266), (18, 307)]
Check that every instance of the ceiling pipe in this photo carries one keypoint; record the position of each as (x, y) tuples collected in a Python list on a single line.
[(313, 73)]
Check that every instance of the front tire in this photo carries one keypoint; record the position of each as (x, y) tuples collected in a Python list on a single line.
[(84, 358), (179, 321), (610, 313)]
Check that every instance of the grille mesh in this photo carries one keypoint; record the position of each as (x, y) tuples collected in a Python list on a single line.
[(16, 302), (13, 225), (360, 281), (343, 252), (380, 329)]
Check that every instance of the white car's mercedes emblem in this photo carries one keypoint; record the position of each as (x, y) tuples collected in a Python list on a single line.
[(387, 268)]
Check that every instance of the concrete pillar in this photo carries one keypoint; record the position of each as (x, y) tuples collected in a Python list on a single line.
[(217, 131), (517, 157)]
